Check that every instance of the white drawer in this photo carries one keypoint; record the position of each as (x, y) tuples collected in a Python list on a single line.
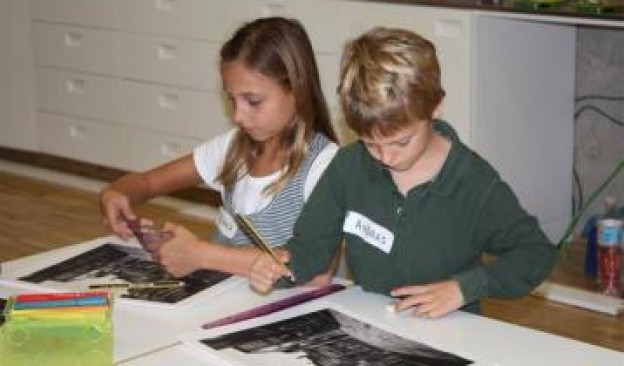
[(145, 150), (78, 94), (194, 114), (213, 19), (328, 24), (79, 139), (85, 49), (171, 61), (430, 22), (102, 13)]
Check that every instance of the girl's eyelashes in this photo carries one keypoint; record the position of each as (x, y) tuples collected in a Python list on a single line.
[(404, 142), (254, 103)]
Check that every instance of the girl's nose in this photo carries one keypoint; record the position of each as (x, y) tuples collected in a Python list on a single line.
[(237, 115)]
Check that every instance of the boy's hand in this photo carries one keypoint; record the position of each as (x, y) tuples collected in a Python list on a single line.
[(432, 300), (265, 272)]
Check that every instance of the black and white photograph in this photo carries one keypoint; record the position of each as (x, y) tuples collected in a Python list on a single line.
[(115, 263), (327, 337)]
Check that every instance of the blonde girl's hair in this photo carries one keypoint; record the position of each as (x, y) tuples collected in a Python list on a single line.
[(389, 78), (280, 49)]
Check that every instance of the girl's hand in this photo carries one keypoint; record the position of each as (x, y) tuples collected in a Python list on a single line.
[(183, 253), (115, 209), (265, 272), (432, 300)]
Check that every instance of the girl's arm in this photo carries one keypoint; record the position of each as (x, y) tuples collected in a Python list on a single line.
[(117, 199), (185, 253)]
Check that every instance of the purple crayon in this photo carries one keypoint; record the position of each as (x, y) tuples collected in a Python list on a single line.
[(275, 306)]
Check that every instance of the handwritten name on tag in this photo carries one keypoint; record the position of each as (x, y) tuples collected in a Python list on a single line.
[(372, 233)]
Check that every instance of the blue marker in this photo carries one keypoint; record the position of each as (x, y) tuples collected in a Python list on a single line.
[(83, 301)]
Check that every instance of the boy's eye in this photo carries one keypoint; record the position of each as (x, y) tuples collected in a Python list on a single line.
[(254, 101), (404, 142)]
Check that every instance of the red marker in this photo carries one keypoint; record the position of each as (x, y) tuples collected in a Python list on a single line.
[(58, 296)]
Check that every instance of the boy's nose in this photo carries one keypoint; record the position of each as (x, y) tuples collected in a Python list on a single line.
[(383, 156)]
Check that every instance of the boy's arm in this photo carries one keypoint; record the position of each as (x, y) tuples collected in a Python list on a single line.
[(523, 255), (318, 230)]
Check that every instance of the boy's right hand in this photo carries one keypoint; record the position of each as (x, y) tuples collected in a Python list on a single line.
[(265, 272), (115, 209)]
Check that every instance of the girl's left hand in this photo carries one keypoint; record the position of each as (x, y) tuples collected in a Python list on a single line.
[(182, 254), (431, 300)]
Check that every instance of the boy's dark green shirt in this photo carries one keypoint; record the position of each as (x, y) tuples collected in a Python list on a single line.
[(441, 228)]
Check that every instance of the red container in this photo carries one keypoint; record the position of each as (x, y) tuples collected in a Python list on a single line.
[(610, 256)]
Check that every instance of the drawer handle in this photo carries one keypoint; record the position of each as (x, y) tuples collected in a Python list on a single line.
[(169, 100), (75, 86), (164, 5), (167, 51), (73, 39), (273, 9), (171, 149), (449, 28), (78, 132)]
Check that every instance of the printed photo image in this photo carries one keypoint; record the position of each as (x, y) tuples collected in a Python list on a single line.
[(111, 262), (326, 338)]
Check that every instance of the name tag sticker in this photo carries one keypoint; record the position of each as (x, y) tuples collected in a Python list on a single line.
[(226, 224), (372, 233)]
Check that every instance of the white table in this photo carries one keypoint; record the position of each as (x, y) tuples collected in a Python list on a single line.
[(155, 336)]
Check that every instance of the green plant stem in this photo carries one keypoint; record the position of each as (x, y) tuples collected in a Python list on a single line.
[(563, 243)]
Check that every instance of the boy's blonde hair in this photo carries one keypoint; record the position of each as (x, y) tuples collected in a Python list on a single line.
[(389, 78), (280, 49)]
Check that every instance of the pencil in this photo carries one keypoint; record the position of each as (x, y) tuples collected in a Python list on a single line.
[(156, 284), (258, 240)]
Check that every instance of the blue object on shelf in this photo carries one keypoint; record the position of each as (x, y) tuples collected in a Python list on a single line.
[(591, 258)]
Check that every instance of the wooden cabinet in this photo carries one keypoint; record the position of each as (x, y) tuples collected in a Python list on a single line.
[(153, 65), (134, 83), (130, 84)]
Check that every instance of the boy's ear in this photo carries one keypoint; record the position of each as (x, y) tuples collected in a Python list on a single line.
[(437, 112)]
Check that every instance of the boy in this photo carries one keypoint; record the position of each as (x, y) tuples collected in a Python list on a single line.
[(416, 207)]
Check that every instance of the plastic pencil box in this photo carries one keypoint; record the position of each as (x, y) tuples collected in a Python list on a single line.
[(71, 336)]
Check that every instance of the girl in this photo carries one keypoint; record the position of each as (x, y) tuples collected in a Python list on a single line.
[(264, 169)]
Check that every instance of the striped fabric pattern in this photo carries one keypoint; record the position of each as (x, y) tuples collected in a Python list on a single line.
[(275, 222)]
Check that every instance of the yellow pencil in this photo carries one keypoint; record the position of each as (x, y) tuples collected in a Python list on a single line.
[(258, 240), (124, 285)]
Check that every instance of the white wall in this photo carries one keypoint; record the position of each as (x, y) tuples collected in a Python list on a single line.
[(524, 99)]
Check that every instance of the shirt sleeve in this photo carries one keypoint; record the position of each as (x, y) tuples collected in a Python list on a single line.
[(522, 255), (210, 156), (318, 230)]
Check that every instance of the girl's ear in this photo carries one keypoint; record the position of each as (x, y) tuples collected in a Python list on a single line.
[(437, 112)]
